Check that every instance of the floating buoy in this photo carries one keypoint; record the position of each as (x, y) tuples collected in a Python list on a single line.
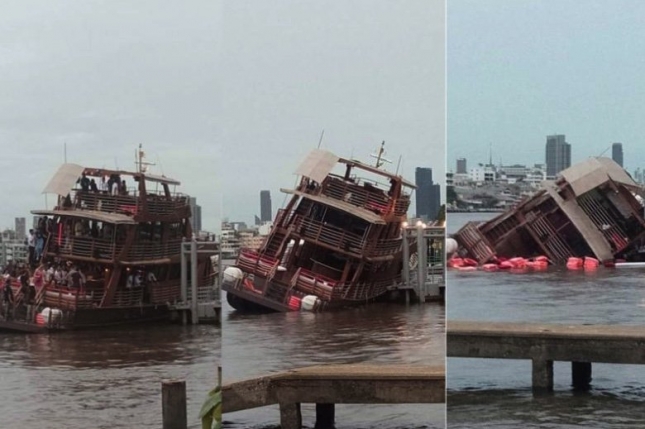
[(467, 268), (505, 265), (294, 303), (574, 263), (490, 267), (591, 263), (455, 262), (518, 262), (470, 262)]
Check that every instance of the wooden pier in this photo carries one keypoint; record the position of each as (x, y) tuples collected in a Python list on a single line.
[(543, 344), (327, 385)]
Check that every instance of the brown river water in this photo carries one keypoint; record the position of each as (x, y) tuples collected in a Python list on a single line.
[(108, 378)]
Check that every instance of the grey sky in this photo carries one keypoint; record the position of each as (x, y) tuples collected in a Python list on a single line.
[(365, 71), (225, 96), (104, 76), (518, 71)]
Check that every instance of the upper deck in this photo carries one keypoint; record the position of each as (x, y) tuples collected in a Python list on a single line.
[(136, 195), (361, 196)]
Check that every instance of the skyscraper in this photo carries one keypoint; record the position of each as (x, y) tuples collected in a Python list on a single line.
[(21, 228), (196, 215), (265, 206), (428, 194), (617, 153), (558, 154), (461, 166)]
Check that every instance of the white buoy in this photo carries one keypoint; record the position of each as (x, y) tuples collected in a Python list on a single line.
[(232, 274), (451, 246), (308, 303)]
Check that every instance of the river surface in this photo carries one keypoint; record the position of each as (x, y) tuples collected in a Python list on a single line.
[(487, 393), (254, 345), (109, 378)]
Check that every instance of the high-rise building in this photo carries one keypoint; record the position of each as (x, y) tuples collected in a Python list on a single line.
[(265, 206), (21, 228), (617, 153), (558, 154), (461, 166), (195, 215), (428, 194)]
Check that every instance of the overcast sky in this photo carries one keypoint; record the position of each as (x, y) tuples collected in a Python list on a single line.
[(364, 71), (104, 76), (226, 97), (518, 71)]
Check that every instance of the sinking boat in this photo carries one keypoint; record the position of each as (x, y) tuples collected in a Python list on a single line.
[(592, 209), (124, 243), (337, 241)]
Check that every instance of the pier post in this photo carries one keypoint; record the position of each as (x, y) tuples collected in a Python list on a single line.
[(325, 416), (406, 258), (542, 375), (173, 404), (184, 279), (581, 375), (290, 416), (193, 282), (421, 251)]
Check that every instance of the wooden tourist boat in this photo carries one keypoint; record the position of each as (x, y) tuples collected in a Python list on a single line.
[(125, 241), (337, 241), (593, 209)]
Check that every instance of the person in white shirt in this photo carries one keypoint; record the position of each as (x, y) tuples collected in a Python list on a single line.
[(31, 242)]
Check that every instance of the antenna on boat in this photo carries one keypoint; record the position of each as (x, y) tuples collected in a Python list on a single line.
[(321, 137), (142, 166), (379, 156), (603, 152), (398, 164)]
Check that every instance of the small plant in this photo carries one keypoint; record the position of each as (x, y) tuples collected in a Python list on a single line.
[(211, 412)]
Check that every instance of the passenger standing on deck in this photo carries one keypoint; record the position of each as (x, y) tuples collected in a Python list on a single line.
[(75, 279), (85, 183), (93, 186), (40, 246), (31, 242), (7, 297)]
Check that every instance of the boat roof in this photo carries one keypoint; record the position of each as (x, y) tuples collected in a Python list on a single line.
[(341, 205), (593, 172), (319, 163), (115, 218), (65, 178)]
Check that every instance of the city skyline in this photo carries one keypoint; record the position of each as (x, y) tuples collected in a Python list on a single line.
[(509, 88)]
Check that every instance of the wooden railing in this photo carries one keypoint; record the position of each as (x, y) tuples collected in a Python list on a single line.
[(150, 250), (327, 289), (328, 234), (252, 262), (373, 200), (69, 299), (90, 247), (158, 205)]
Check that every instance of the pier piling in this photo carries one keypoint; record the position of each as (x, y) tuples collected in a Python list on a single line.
[(581, 375), (325, 416), (542, 375), (290, 416), (173, 404)]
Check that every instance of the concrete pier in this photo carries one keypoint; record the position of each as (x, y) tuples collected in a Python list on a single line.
[(543, 344), (327, 385)]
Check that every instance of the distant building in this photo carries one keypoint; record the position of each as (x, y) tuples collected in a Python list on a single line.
[(265, 206), (428, 194), (617, 153), (558, 154), (11, 248), (21, 228), (196, 215), (461, 166)]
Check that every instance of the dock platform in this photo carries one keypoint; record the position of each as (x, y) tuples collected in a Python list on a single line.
[(545, 343), (326, 385)]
